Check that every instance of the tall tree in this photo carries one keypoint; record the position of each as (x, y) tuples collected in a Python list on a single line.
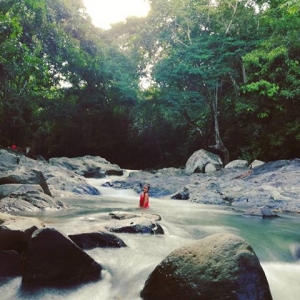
[(270, 98), (198, 60)]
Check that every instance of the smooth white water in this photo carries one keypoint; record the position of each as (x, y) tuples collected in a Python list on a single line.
[(126, 269)]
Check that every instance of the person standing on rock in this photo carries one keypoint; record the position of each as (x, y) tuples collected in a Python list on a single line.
[(144, 197)]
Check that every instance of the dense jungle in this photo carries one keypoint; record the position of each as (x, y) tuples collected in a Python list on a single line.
[(192, 74)]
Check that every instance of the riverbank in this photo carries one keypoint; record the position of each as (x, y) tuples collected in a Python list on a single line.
[(273, 184), (33, 185)]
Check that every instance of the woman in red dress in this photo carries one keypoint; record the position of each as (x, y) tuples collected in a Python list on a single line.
[(144, 197)]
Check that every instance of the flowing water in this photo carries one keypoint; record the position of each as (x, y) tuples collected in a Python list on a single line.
[(126, 269)]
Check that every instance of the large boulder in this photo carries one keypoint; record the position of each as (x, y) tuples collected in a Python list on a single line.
[(25, 176), (66, 183), (10, 263), (87, 166), (53, 259), (26, 197), (92, 240), (218, 267), (53, 180), (197, 162), (15, 231)]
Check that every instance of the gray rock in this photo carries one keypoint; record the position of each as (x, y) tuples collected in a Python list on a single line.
[(25, 176), (218, 267), (256, 163), (122, 215), (65, 183), (183, 195), (7, 159), (275, 184), (238, 163), (55, 181), (52, 259), (10, 263), (15, 231), (87, 166), (8, 189), (209, 168), (197, 162), (97, 239), (262, 212), (135, 225), (26, 197), (29, 201)]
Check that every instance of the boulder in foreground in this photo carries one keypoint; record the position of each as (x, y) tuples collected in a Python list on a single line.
[(10, 263), (218, 267), (52, 259), (16, 231)]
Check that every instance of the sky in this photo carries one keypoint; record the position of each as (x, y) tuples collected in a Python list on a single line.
[(106, 12)]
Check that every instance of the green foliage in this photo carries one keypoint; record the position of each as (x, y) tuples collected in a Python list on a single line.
[(225, 69), (270, 97)]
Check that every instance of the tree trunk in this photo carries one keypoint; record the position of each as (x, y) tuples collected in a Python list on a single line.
[(219, 144)]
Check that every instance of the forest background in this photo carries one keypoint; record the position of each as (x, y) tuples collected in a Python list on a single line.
[(193, 74)]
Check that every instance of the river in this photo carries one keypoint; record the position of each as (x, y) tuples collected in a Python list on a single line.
[(126, 269)]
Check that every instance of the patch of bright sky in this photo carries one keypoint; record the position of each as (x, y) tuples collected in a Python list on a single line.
[(106, 12)]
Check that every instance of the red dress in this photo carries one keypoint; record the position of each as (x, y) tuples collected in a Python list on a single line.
[(146, 205)]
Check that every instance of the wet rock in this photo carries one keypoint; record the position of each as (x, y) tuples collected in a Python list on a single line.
[(97, 239), (218, 267), (135, 225), (54, 259), (122, 215), (10, 263), (262, 212), (183, 195), (15, 231)]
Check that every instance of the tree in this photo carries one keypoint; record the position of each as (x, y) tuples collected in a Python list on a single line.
[(270, 103), (198, 60)]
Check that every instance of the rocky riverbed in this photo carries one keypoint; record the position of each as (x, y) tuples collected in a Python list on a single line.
[(30, 249), (30, 185)]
